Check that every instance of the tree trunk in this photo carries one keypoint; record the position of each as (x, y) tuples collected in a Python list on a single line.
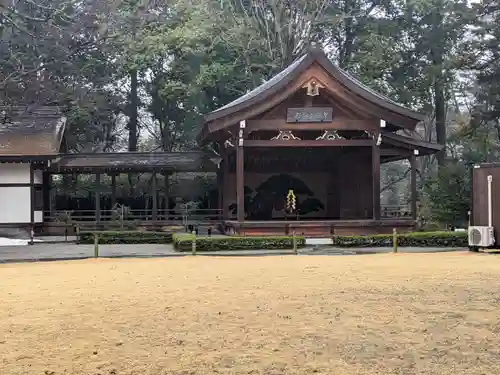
[(134, 104), (440, 110), (439, 97)]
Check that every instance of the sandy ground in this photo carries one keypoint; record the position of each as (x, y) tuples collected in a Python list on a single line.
[(370, 314)]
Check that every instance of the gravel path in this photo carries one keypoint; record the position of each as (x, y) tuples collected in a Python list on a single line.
[(65, 251)]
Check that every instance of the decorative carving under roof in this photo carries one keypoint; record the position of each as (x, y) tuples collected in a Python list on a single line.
[(285, 135), (313, 86), (329, 135)]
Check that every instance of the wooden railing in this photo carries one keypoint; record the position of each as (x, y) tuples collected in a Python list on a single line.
[(183, 216)]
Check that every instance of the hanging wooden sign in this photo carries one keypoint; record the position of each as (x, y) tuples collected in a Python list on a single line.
[(309, 114)]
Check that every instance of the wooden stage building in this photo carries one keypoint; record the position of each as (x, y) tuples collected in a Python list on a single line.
[(312, 129)]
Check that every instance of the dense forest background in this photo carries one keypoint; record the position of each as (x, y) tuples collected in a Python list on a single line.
[(139, 74)]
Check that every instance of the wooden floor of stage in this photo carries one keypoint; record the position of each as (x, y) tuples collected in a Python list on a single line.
[(319, 228)]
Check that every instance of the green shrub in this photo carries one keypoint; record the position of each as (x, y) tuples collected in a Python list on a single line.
[(183, 242), (414, 239), (126, 237)]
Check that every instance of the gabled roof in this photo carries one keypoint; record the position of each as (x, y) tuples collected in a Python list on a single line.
[(282, 79), (30, 130)]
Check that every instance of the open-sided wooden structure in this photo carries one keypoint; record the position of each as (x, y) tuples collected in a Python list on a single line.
[(318, 131), (32, 151)]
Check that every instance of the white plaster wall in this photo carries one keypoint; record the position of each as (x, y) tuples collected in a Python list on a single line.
[(15, 205), (18, 174), (38, 216)]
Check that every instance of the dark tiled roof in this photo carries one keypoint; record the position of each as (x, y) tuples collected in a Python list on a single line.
[(190, 161), (30, 131), (283, 78)]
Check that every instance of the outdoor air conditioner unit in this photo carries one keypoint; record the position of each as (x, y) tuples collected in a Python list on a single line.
[(481, 236)]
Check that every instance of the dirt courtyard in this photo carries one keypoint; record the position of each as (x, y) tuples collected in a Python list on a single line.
[(370, 314)]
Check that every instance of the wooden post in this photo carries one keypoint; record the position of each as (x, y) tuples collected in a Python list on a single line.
[(220, 189), (154, 192), (376, 176), (240, 175), (47, 186), (167, 196), (32, 202), (413, 185), (96, 245), (113, 190), (77, 232), (225, 182), (98, 197), (193, 243), (394, 240), (294, 239), (52, 199)]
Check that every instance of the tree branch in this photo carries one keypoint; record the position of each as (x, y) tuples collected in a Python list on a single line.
[(394, 182)]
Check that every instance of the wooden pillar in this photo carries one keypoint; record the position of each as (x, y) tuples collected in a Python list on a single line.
[(98, 197), (413, 184), (76, 178), (225, 188), (47, 187), (167, 196), (154, 192), (52, 198), (220, 191), (113, 190), (240, 175), (376, 176), (221, 181), (32, 196)]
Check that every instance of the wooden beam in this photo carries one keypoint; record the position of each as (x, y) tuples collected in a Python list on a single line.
[(395, 152), (309, 143), (413, 186), (390, 159), (376, 178), (335, 124)]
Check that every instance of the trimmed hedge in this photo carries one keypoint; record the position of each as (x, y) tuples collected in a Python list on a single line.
[(414, 239), (183, 242), (126, 237)]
